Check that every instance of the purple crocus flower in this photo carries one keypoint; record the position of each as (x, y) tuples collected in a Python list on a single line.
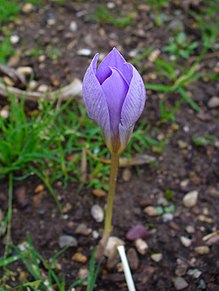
[(114, 95)]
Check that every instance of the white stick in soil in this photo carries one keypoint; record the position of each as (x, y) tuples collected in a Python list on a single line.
[(127, 272)]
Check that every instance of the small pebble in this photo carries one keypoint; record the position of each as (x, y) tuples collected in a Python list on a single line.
[(190, 229), (21, 196), (27, 8), (82, 229), (141, 246), (84, 52), (181, 269), (190, 199), (151, 211), (133, 259), (73, 26), (111, 247), (186, 242), (14, 39), (213, 102), (99, 193), (97, 213), (126, 175), (182, 145), (4, 113), (180, 283), (195, 273), (42, 58), (167, 217), (67, 240), (202, 250), (80, 258), (137, 231), (32, 85), (67, 207), (43, 88), (95, 234), (39, 188), (157, 257)]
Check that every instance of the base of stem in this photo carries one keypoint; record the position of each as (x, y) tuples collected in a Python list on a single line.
[(101, 247)]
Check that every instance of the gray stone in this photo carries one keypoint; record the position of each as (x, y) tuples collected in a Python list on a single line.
[(180, 283), (67, 240)]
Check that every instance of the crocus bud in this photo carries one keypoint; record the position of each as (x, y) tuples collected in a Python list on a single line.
[(114, 95)]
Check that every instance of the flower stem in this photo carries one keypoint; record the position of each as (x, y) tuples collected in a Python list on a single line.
[(111, 194), (109, 210)]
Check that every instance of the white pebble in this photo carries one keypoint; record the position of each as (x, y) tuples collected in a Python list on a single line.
[(14, 39), (186, 242), (97, 213), (73, 26), (141, 246), (84, 52), (190, 199), (157, 257), (4, 113)]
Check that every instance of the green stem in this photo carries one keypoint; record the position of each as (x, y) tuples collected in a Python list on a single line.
[(111, 194), (9, 213)]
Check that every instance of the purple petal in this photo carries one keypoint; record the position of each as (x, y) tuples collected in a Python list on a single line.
[(132, 107), (95, 101), (115, 89), (137, 231), (116, 60)]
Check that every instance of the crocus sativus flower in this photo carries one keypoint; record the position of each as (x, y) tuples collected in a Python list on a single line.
[(114, 95)]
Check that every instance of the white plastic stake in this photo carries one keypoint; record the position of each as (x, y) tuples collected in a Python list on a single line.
[(127, 272)]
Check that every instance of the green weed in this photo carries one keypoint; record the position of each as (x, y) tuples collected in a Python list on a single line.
[(43, 273), (104, 16), (6, 48), (179, 46)]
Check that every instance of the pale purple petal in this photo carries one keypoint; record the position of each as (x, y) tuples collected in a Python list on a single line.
[(95, 100), (113, 59), (132, 107), (115, 89)]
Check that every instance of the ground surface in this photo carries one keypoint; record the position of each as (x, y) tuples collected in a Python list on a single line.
[(182, 167)]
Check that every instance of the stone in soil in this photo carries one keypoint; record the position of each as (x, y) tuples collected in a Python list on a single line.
[(190, 199), (141, 246), (80, 258), (82, 229), (84, 52), (111, 250), (202, 250), (67, 240), (133, 259), (180, 283), (186, 242), (126, 175), (157, 257), (213, 102), (21, 196), (27, 8), (195, 273), (151, 211), (99, 193), (14, 39), (4, 113), (97, 213), (137, 231)]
